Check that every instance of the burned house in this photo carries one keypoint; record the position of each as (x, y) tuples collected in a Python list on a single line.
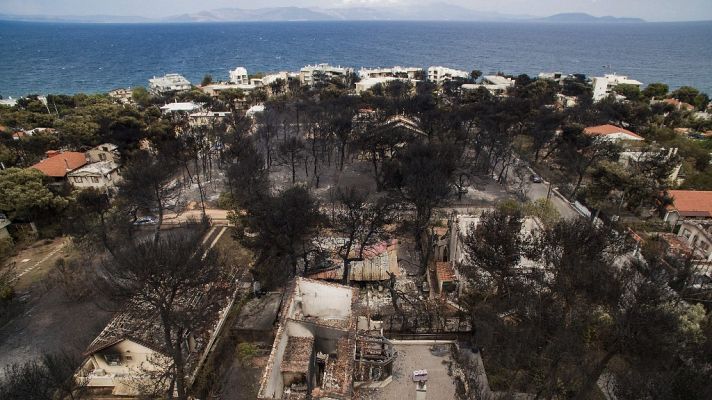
[(378, 262), (317, 352), (374, 361), (312, 355), (130, 357)]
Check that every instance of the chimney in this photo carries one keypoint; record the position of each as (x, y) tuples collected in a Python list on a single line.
[(52, 153)]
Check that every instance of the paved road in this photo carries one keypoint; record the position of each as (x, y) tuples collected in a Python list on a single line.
[(539, 190), (218, 217)]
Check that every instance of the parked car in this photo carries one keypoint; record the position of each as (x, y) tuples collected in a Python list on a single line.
[(535, 178), (147, 220)]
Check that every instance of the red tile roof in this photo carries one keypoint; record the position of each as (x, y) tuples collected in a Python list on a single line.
[(692, 203), (679, 104), (445, 271), (58, 165), (608, 129)]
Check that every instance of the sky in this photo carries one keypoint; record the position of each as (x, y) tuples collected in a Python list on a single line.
[(652, 10)]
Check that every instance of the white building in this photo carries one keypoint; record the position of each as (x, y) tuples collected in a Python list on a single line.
[(122, 95), (554, 76), (368, 83), (394, 72), (441, 74), (495, 84), (603, 85), (239, 76), (208, 118), (9, 102), (214, 89), (181, 107), (311, 74), (168, 84), (271, 78), (630, 158), (103, 176), (254, 110), (698, 234)]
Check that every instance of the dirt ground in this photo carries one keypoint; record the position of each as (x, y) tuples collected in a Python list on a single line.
[(242, 379), (44, 319), (33, 263), (356, 174), (50, 323)]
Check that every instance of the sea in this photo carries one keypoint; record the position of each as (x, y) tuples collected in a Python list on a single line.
[(53, 58)]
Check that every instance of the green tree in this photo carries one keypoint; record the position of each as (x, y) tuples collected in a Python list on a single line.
[(140, 95), (578, 152), (656, 90), (701, 101), (24, 195), (78, 130), (207, 80), (475, 74), (631, 92), (149, 184), (686, 94)]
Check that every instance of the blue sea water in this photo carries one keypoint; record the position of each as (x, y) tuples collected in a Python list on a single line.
[(70, 58)]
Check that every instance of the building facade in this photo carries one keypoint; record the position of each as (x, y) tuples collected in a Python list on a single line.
[(239, 76), (103, 176), (604, 85), (313, 74), (441, 74), (170, 83)]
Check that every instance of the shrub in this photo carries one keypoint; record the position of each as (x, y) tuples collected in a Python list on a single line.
[(7, 249)]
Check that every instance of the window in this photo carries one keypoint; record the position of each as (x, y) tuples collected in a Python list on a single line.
[(128, 358), (112, 359), (686, 233), (102, 156), (78, 179), (94, 179)]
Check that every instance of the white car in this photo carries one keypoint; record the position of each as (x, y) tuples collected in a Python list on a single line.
[(147, 220)]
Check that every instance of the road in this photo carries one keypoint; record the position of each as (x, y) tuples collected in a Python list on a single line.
[(217, 217), (539, 190)]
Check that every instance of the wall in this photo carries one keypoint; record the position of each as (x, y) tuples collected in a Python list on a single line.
[(697, 238), (95, 155), (324, 300), (103, 181), (141, 357)]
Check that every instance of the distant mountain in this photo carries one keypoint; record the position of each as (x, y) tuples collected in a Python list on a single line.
[(259, 14), (425, 12), (587, 18), (95, 19)]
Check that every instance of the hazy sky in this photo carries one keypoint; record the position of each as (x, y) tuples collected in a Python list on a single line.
[(654, 10)]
